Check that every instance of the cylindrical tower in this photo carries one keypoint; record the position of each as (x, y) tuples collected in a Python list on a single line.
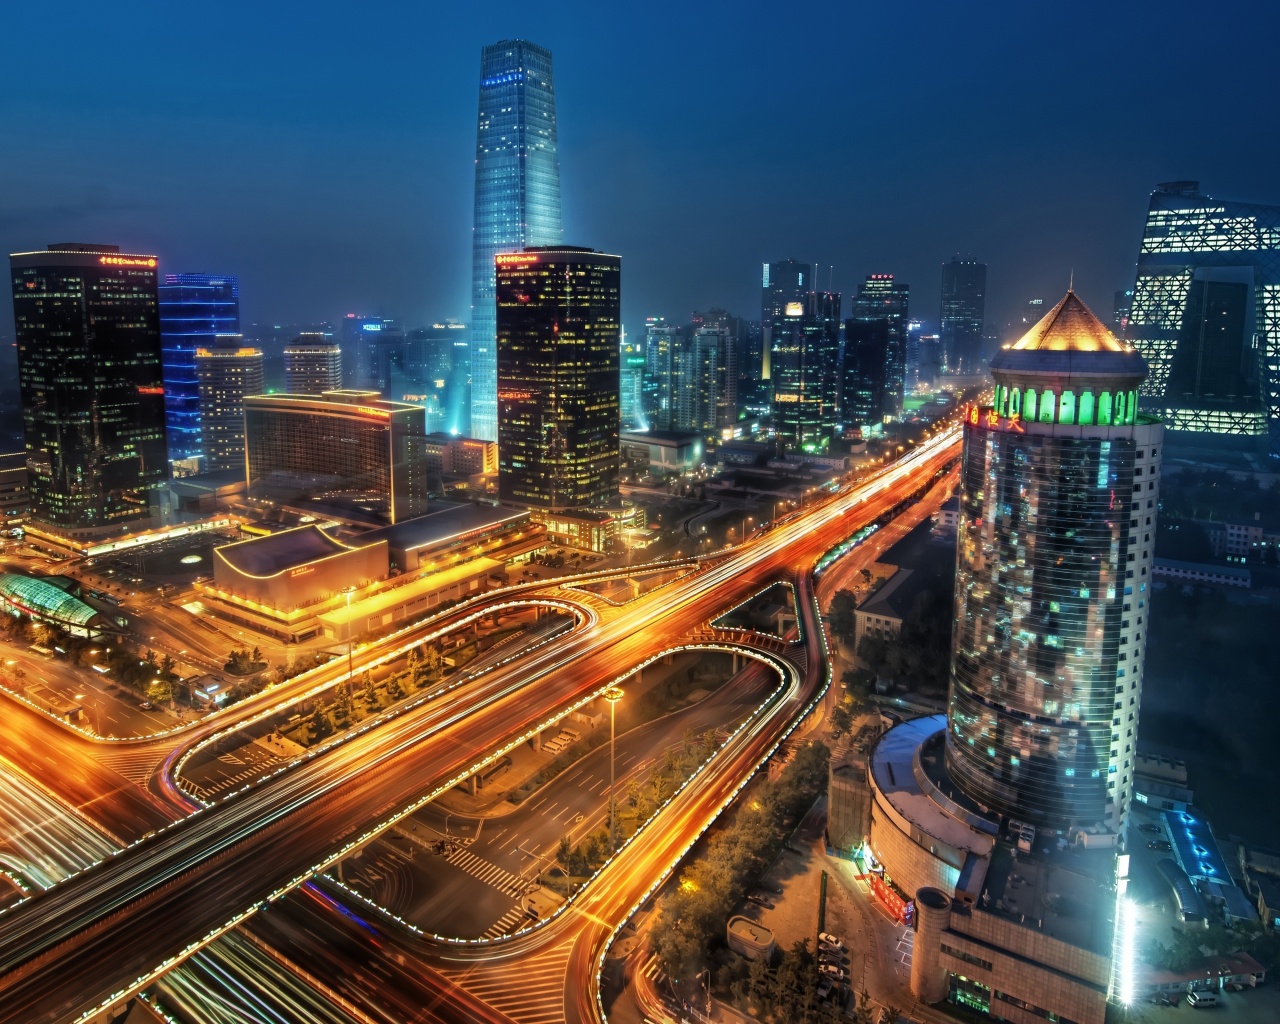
[(929, 982), (1057, 528)]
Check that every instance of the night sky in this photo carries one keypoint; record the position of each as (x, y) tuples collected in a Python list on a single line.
[(326, 157)]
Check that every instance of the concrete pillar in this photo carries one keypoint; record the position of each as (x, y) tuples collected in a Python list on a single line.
[(472, 784), (933, 917), (536, 742), (736, 660)]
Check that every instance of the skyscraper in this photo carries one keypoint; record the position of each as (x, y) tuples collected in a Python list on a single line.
[(706, 395), (783, 283), (864, 374), (881, 298), (312, 365), (805, 360), (964, 288), (92, 387), (631, 383), (1059, 487), (1206, 315), (227, 374), (194, 308), (517, 199), (558, 330), (661, 342)]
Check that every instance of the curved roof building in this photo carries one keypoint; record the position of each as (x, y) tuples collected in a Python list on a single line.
[(45, 602), (1057, 524)]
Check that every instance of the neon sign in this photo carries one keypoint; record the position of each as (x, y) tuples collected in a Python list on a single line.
[(150, 391), (127, 261), (516, 259)]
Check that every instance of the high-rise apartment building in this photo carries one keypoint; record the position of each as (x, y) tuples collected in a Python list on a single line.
[(1059, 489), (194, 309), (661, 344), (805, 359), (312, 365), (880, 297), (964, 290), (517, 198), (347, 448), (227, 374), (706, 397), (558, 329), (783, 284), (1206, 315), (864, 386), (1120, 306), (91, 380)]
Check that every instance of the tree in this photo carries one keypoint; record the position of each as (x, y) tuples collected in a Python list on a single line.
[(160, 691), (167, 665), (319, 725), (256, 656), (841, 617), (842, 718)]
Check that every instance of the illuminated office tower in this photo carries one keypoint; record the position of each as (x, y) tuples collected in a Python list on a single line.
[(864, 374), (312, 365), (91, 380), (558, 331), (964, 289), (881, 298), (805, 358), (194, 308), (784, 283), (1206, 315), (347, 449), (517, 198), (226, 373), (706, 398), (631, 383), (661, 344), (1059, 489)]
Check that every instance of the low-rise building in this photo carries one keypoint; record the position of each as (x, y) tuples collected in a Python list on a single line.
[(15, 498), (1202, 572), (750, 939), (665, 452), (583, 529)]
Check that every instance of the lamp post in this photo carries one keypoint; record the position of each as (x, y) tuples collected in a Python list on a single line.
[(347, 592), (612, 695)]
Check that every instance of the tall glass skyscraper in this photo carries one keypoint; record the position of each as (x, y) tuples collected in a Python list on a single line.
[(1059, 488), (964, 303), (517, 195), (92, 388), (194, 309), (558, 331), (1205, 312), (880, 297), (805, 358)]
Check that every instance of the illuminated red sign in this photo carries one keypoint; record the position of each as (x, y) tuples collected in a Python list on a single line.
[(991, 419), (892, 902), (150, 391), (302, 570), (127, 261)]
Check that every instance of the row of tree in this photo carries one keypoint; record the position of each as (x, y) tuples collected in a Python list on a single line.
[(692, 917)]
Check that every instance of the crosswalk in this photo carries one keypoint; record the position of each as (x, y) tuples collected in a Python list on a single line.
[(652, 969), (477, 867), (536, 996), (507, 923), (251, 772), (135, 765)]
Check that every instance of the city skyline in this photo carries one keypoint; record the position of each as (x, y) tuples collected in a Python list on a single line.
[(392, 236)]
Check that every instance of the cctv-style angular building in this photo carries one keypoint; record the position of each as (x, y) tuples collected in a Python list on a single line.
[(1205, 314)]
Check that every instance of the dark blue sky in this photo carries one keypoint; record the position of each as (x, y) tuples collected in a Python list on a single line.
[(324, 151)]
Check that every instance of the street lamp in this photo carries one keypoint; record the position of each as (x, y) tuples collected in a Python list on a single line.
[(612, 695), (347, 592)]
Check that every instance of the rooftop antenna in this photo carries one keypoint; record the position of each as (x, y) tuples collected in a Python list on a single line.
[(1071, 281)]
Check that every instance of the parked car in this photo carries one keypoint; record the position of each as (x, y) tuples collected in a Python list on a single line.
[(1148, 827), (827, 939), (146, 705), (832, 971), (1160, 844)]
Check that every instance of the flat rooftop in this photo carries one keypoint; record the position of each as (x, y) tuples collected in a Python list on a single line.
[(893, 770), (394, 596), (1061, 890), (451, 522)]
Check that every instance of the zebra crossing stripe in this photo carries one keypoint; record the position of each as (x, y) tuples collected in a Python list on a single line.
[(505, 923), (490, 874)]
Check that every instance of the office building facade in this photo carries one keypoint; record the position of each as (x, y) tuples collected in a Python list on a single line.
[(864, 378), (344, 448), (1205, 313), (312, 365), (805, 361), (1059, 488), (880, 297), (631, 368), (194, 309), (964, 290), (517, 195), (661, 345), (783, 284), (707, 388), (558, 333), (92, 386), (226, 375)]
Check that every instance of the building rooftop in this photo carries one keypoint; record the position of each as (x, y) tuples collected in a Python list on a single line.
[(1234, 571), (452, 522), (277, 553), (392, 596), (1070, 326), (44, 600), (664, 437), (896, 597)]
